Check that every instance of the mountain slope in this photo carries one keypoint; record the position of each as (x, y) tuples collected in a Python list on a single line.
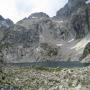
[(40, 37)]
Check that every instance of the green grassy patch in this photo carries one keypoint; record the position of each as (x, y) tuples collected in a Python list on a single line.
[(47, 69)]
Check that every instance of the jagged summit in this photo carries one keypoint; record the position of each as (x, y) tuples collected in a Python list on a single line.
[(38, 15), (70, 7)]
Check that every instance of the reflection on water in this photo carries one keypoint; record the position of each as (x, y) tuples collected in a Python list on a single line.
[(62, 64)]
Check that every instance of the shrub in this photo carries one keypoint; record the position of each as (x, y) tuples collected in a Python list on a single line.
[(48, 50)]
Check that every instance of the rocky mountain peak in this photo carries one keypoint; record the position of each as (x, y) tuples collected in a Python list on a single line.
[(70, 7), (75, 3), (38, 15)]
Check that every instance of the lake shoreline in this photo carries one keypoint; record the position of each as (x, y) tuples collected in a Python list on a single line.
[(52, 64)]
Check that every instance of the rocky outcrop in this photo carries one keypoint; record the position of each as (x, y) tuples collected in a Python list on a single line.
[(71, 7), (86, 51), (5, 25), (5, 22), (79, 24), (75, 13)]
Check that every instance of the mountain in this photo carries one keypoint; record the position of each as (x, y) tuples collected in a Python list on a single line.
[(75, 13), (71, 7), (41, 38), (5, 22), (38, 15)]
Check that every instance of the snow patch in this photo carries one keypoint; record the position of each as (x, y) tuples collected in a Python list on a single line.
[(42, 38), (59, 45), (82, 43), (88, 1), (34, 17), (78, 87), (71, 40), (38, 49), (61, 21)]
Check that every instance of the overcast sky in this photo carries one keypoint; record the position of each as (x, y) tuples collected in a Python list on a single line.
[(18, 9)]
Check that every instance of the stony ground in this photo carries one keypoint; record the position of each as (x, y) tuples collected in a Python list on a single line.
[(40, 78)]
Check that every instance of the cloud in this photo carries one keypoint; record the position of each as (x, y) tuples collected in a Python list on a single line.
[(48, 6), (18, 9), (8, 10)]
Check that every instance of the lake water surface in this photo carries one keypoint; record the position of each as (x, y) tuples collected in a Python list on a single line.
[(62, 64)]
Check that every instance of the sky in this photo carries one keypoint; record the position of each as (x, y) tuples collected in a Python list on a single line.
[(19, 9)]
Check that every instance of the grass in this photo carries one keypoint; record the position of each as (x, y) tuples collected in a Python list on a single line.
[(48, 69), (32, 78), (18, 77)]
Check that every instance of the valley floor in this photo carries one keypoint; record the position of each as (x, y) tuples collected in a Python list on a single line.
[(40, 78)]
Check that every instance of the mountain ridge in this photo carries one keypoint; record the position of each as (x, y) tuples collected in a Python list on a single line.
[(40, 37)]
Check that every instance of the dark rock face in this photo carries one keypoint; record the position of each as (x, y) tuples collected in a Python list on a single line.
[(23, 36), (5, 25), (86, 51), (10, 22), (75, 13), (74, 3), (69, 8), (79, 25), (5, 22), (1, 18), (64, 12)]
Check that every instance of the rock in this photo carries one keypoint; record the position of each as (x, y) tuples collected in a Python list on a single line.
[(86, 51), (79, 24), (5, 22), (38, 15), (70, 8), (75, 12), (1, 18), (86, 59)]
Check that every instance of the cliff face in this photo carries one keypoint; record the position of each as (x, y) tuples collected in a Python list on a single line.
[(71, 7), (75, 12), (40, 37)]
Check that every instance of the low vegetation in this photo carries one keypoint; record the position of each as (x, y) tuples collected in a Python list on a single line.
[(42, 78), (48, 50)]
